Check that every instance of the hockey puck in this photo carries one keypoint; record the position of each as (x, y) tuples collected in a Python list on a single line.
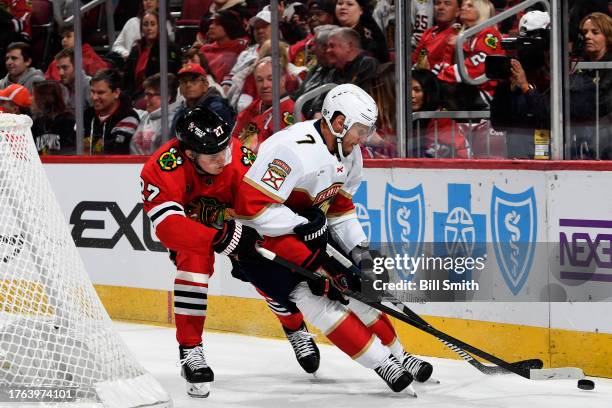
[(585, 384)]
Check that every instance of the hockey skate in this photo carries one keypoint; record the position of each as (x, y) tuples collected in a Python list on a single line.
[(195, 370), (420, 370), (304, 347), (396, 377)]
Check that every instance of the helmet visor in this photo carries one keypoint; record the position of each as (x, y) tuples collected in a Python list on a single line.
[(363, 131)]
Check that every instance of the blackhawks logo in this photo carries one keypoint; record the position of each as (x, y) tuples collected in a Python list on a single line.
[(170, 160), (491, 41), (288, 118), (248, 157), (209, 212)]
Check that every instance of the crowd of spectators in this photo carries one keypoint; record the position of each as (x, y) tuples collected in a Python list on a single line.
[(227, 66)]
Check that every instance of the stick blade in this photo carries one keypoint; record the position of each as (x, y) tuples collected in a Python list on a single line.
[(563, 373)]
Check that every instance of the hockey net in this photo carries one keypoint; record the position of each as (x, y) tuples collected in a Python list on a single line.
[(54, 331)]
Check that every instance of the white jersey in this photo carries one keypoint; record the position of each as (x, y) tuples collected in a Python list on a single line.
[(294, 171), (422, 19)]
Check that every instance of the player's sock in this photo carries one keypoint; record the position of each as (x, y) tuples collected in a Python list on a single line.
[(196, 371), (396, 377), (304, 347), (420, 370)]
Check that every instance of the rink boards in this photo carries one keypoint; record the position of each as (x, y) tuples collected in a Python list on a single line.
[(399, 201)]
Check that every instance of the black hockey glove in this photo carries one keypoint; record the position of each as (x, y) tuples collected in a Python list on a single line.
[(236, 240), (314, 232), (336, 280)]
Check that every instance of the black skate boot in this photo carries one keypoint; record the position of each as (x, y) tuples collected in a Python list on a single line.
[(304, 347), (420, 370), (195, 370), (396, 377)]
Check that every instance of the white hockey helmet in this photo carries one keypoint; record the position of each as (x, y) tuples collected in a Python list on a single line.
[(355, 105)]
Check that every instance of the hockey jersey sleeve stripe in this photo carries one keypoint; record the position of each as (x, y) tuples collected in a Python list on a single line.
[(192, 277), (160, 212)]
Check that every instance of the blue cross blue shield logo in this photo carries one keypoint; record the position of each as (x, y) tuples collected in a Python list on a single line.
[(514, 229), (405, 222)]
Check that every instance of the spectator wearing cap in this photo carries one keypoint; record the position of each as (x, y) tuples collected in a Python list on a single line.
[(320, 12), (521, 104), (53, 128), (18, 61), (321, 73), (262, 30), (15, 99), (111, 121), (254, 124), (357, 14), (196, 91), (143, 60), (64, 63), (293, 22), (194, 56), (149, 133), (429, 53), (92, 62), (227, 39)]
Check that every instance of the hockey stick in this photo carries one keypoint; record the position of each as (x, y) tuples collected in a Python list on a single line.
[(485, 369), (531, 374)]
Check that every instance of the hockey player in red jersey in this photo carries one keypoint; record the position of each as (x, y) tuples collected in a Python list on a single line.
[(299, 187), (196, 177)]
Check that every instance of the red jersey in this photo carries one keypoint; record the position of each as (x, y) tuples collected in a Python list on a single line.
[(221, 58), (254, 126), (92, 63), (476, 49), (172, 189), (300, 53), (21, 10), (433, 46)]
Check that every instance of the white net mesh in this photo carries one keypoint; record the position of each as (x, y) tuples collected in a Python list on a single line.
[(54, 330)]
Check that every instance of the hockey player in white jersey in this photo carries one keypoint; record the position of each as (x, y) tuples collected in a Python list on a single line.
[(301, 186)]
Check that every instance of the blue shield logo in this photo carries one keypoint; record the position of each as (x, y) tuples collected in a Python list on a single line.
[(514, 229), (405, 221)]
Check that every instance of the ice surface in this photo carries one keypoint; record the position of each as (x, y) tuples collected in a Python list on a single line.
[(257, 372)]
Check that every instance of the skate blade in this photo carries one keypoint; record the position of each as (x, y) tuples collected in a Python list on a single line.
[(410, 390), (198, 390), (432, 380)]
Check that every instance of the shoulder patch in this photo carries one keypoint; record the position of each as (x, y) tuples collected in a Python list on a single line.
[(276, 174), (248, 157), (288, 118), (491, 41), (170, 160)]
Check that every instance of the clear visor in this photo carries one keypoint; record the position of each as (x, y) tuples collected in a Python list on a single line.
[(363, 131)]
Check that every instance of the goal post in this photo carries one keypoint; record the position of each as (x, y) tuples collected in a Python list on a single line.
[(55, 334)]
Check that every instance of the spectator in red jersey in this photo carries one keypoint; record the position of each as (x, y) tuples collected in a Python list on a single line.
[(487, 42), (144, 57), (92, 62), (357, 14), (254, 124), (429, 52), (426, 97), (16, 15), (227, 40)]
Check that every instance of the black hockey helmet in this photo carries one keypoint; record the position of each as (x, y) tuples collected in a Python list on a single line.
[(202, 131)]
